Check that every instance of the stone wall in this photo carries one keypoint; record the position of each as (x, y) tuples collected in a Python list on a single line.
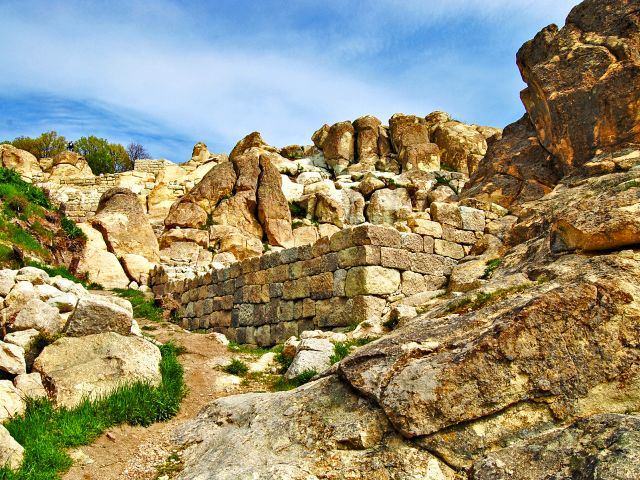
[(348, 278)]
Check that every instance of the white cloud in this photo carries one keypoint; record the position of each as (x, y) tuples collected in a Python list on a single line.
[(188, 74)]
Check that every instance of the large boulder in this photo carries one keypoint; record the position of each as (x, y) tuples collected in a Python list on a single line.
[(12, 401), (98, 314), (583, 82), (69, 164), (389, 206), (21, 161), (461, 146), (322, 430), (311, 354), (98, 263), (38, 315), (273, 209), (11, 452), (367, 131), (124, 225), (95, 365), (339, 146)]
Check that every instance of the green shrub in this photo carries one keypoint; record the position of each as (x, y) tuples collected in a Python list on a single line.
[(33, 194), (45, 432), (236, 367), (71, 230), (142, 306), (281, 359), (343, 349)]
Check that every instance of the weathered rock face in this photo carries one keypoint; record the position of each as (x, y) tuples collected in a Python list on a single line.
[(583, 82), (95, 365), (273, 209), (21, 161), (339, 146), (319, 431), (124, 225), (11, 452), (11, 400), (516, 169), (95, 314), (367, 131), (69, 164), (100, 265), (461, 146), (603, 446)]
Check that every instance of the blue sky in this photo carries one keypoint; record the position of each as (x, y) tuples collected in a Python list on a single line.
[(170, 73)]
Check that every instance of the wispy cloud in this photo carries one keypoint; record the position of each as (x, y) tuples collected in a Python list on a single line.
[(165, 70)]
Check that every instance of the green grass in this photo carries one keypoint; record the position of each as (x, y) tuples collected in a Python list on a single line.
[(297, 210), (491, 266), (281, 384), (281, 359), (70, 229), (46, 432), (236, 367), (235, 347), (13, 185), (142, 306), (54, 271), (343, 349), (482, 299)]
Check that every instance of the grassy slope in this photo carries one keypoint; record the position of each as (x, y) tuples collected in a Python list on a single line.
[(46, 432)]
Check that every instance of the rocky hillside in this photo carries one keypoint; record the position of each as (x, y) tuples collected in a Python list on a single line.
[(32, 229), (532, 372)]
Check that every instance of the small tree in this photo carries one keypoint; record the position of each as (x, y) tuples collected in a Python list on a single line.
[(137, 152), (102, 156), (48, 144)]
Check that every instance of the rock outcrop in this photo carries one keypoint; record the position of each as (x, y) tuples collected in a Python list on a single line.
[(92, 366)]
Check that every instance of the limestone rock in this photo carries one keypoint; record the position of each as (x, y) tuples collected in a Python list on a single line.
[(124, 225), (367, 132), (422, 156), (138, 267), (96, 314), (69, 164), (33, 275), (30, 385), (369, 184), (372, 280), (184, 214), (407, 130), (273, 209), (583, 82), (319, 430), (311, 354), (24, 339), (12, 359), (100, 265), (11, 452), (320, 135), (461, 146), (602, 446), (389, 206), (19, 160), (95, 365), (515, 170), (38, 315), (339, 146), (20, 294), (11, 401), (7, 281)]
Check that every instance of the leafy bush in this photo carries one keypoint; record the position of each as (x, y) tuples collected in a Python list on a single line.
[(142, 306), (236, 367), (46, 432)]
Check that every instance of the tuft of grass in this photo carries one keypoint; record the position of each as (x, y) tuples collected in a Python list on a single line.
[(343, 349), (13, 185), (142, 306), (236, 367), (54, 271), (470, 304), (45, 432), (281, 384), (235, 347), (492, 265), (282, 360)]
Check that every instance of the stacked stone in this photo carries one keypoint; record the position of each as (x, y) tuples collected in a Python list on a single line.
[(150, 166), (348, 278)]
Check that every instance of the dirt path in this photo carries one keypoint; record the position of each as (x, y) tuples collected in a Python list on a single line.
[(142, 453)]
